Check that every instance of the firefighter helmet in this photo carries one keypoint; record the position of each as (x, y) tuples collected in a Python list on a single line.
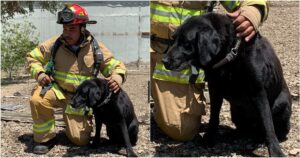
[(73, 14)]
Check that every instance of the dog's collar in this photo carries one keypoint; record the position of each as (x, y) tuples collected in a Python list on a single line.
[(106, 100), (230, 56)]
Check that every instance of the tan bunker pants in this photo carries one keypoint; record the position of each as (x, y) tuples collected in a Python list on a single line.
[(177, 107), (78, 126)]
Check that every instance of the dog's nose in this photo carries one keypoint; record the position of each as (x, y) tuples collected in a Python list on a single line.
[(166, 62), (72, 103)]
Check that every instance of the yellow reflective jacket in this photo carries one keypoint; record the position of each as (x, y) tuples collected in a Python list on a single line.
[(167, 15), (71, 70)]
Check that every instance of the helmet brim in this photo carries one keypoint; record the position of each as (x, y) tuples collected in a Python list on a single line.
[(91, 22)]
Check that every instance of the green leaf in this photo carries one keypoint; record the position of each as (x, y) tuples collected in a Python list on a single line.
[(17, 40)]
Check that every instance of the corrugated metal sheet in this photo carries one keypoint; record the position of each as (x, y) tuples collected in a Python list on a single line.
[(120, 26)]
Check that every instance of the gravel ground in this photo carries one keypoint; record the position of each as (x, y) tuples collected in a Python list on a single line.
[(281, 28)]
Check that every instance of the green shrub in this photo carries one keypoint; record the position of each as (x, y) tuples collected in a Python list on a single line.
[(16, 41)]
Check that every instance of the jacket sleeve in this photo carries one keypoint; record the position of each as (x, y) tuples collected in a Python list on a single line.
[(38, 58), (232, 5), (261, 5), (256, 11), (111, 66)]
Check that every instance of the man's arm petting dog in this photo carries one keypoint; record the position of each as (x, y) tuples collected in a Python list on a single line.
[(253, 82), (116, 111)]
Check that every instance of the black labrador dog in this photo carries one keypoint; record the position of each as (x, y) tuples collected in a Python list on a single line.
[(117, 113), (253, 82)]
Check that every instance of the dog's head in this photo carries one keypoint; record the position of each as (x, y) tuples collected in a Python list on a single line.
[(198, 41), (89, 93)]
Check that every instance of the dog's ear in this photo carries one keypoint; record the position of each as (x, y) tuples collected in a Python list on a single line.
[(208, 45), (94, 96), (223, 25)]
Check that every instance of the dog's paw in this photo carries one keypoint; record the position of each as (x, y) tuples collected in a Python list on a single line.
[(277, 153), (275, 150), (130, 153), (197, 139), (208, 140), (95, 144)]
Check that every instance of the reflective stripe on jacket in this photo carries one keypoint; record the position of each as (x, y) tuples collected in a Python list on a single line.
[(71, 70), (79, 112), (173, 15), (69, 78), (161, 73), (230, 5)]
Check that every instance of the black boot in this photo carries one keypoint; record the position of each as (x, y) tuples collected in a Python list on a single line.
[(43, 148)]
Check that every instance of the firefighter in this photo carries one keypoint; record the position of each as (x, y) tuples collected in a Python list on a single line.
[(178, 105), (74, 62)]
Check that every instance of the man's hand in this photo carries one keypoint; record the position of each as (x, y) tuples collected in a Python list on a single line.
[(44, 79), (113, 84), (243, 26)]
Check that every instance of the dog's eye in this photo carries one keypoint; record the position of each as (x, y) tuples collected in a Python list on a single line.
[(187, 46), (173, 36), (84, 96)]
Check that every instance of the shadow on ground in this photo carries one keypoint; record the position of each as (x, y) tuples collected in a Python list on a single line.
[(229, 144), (73, 150)]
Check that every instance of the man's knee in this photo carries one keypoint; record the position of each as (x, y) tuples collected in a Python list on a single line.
[(78, 129), (178, 133), (80, 140), (183, 131), (48, 99), (35, 98), (79, 135)]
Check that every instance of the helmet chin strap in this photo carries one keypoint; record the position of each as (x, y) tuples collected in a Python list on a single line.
[(82, 30)]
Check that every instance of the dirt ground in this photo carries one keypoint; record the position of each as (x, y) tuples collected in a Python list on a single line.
[(282, 30)]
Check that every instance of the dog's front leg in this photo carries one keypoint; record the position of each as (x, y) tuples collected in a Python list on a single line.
[(216, 101), (262, 103), (96, 140), (129, 150)]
